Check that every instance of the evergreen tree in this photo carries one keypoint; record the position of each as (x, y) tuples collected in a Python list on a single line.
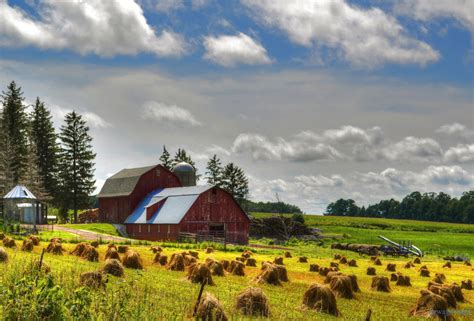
[(3, 173), (32, 178), (166, 159), (76, 179), (15, 125), (214, 172), (235, 182), (45, 147)]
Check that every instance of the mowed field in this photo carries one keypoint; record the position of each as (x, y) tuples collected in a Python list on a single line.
[(156, 293)]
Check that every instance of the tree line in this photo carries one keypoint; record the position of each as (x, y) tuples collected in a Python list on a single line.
[(439, 207), (58, 168)]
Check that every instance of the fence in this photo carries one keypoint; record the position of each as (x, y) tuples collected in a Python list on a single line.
[(216, 237)]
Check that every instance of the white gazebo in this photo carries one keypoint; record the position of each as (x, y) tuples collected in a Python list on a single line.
[(21, 206)]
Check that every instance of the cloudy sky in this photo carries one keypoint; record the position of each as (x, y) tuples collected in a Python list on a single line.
[(315, 99)]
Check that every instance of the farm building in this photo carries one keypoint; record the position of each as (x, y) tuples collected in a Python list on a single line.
[(156, 204), (21, 206)]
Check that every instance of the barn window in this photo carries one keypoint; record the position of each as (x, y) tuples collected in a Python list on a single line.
[(158, 228), (139, 228), (157, 173), (169, 229), (148, 228)]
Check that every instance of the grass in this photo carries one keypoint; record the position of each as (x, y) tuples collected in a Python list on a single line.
[(158, 294), (102, 228)]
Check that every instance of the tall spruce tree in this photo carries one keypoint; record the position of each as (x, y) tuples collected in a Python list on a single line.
[(76, 166), (214, 171), (3, 168), (166, 159), (235, 182), (15, 123), (44, 138)]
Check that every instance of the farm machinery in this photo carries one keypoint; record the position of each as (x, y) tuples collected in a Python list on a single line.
[(404, 248)]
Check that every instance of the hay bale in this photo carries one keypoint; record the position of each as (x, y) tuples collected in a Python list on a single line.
[(200, 273), (431, 304), (27, 245), (132, 260), (56, 239), (123, 249), (44, 267), (90, 254), (288, 255), (313, 268), (354, 283), (323, 271), (417, 260), (377, 261), (194, 254), (282, 273), (113, 267), (163, 260), (337, 256), (391, 267), (393, 277), (251, 262), (343, 260), (330, 275), (445, 292), (373, 258), (278, 260), (210, 250), (303, 259), (269, 275), (333, 268), (79, 249), (95, 244), (467, 263), (380, 284), (55, 247), (2, 235), (352, 263), (240, 259), (466, 284), (8, 242), (371, 270), (210, 309), (35, 239), (320, 298), (409, 265), (189, 260), (111, 245), (225, 264), (237, 268), (342, 286), (92, 279), (3, 255), (334, 264), (216, 267), (457, 292), (246, 254), (112, 254), (447, 265), (403, 280), (425, 273), (253, 301), (439, 278), (176, 262)]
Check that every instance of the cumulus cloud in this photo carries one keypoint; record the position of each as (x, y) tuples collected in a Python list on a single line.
[(105, 28), (92, 119), (230, 51), (460, 154), (168, 5), (425, 10), (168, 113), (413, 148), (364, 37)]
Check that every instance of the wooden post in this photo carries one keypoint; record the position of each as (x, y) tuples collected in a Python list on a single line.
[(39, 267), (199, 297), (368, 315)]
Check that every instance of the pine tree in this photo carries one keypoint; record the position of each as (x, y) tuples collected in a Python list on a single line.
[(166, 159), (44, 137), (76, 166), (3, 173), (235, 182), (32, 178), (214, 172), (15, 124)]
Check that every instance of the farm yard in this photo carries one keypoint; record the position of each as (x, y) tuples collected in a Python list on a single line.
[(158, 292)]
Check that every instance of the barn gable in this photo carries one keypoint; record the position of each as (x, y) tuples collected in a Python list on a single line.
[(123, 183)]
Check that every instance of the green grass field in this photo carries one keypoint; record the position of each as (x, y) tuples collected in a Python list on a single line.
[(102, 228)]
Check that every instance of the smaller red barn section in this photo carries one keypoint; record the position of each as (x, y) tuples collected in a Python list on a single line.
[(165, 213)]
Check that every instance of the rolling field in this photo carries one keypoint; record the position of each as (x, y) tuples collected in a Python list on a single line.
[(158, 294)]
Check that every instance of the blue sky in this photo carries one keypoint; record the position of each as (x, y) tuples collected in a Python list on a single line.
[(312, 98)]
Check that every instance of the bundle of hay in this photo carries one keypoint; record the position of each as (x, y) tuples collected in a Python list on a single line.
[(447, 265), (225, 264), (278, 260), (354, 283), (27, 245), (44, 267), (251, 262), (431, 304), (2, 235), (417, 260), (200, 273), (111, 245), (343, 260), (467, 263), (56, 239), (457, 292), (113, 267), (333, 268), (90, 254), (409, 265), (216, 267), (288, 255), (380, 283), (425, 272), (313, 268), (210, 309), (303, 259), (393, 277), (240, 259), (341, 285), (209, 250), (323, 271), (283, 274), (113, 254), (321, 298), (252, 301), (391, 267), (269, 275), (163, 260), (92, 279), (246, 254), (176, 262), (330, 275), (466, 284), (371, 270), (79, 249), (439, 278), (35, 239), (445, 292), (194, 254), (334, 264), (373, 258), (132, 260), (3, 255), (95, 244), (403, 280), (55, 247), (123, 249), (337, 256), (189, 259), (377, 261), (352, 263), (8, 242), (237, 268)]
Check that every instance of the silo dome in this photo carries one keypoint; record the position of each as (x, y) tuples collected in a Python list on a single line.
[(186, 174)]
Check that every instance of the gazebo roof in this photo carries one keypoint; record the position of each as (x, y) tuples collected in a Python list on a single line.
[(20, 192)]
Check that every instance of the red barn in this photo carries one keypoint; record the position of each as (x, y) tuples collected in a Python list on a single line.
[(153, 205)]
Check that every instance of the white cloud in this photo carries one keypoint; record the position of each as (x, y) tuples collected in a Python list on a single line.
[(230, 51), (92, 119), (168, 5), (364, 37), (460, 154), (446, 175), (105, 28), (413, 148), (425, 10), (168, 113)]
